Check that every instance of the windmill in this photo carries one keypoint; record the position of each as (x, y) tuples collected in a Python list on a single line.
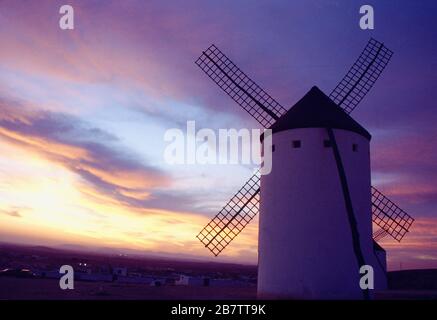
[(317, 205)]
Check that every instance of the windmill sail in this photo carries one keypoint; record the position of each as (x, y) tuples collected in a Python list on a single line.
[(379, 234), (389, 217), (244, 206), (258, 103), (233, 218), (361, 76)]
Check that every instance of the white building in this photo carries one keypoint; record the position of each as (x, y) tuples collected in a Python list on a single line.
[(192, 281), (306, 247), (119, 271)]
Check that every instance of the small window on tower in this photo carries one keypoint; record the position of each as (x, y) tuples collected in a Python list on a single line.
[(354, 147), (296, 144), (273, 148), (327, 143)]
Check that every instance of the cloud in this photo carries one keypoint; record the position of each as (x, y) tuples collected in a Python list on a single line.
[(12, 213), (405, 165), (418, 249), (89, 152), (157, 61)]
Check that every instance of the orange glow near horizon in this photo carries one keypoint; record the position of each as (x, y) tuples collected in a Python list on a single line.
[(46, 202)]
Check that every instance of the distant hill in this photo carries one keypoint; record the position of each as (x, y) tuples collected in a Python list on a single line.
[(23, 255), (422, 279)]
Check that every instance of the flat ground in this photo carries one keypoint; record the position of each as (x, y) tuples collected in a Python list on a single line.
[(30, 289), (13, 289)]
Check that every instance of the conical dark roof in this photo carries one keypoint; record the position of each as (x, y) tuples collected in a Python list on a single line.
[(317, 110)]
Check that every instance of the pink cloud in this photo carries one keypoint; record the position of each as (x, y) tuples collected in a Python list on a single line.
[(87, 151), (418, 249)]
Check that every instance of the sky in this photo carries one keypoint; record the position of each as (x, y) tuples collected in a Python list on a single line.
[(83, 114)]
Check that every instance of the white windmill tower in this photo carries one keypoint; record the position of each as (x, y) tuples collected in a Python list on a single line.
[(317, 204)]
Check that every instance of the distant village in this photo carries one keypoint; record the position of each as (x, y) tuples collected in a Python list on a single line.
[(121, 274), (123, 269)]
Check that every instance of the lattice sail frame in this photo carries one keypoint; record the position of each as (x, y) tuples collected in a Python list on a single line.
[(379, 234), (243, 207), (361, 76), (233, 218), (243, 90), (389, 217)]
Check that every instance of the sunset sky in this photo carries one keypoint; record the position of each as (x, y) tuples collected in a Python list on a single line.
[(83, 113)]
